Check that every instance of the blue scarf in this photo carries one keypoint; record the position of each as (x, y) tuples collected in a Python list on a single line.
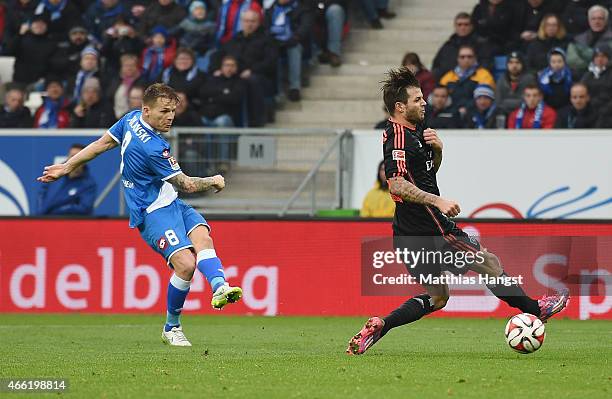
[(153, 62), (281, 25), (224, 11), (78, 84), (51, 109), (54, 9), (463, 75), (537, 120), (190, 75), (110, 12), (548, 77), (480, 120)]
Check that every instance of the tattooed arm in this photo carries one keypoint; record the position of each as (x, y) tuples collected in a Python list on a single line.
[(411, 193), (189, 184)]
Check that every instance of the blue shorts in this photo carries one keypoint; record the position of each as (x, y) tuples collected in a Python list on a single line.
[(166, 229)]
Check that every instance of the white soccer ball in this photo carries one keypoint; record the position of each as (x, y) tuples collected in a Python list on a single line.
[(525, 333)]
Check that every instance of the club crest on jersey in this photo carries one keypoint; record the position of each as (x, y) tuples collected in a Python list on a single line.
[(162, 243), (166, 153), (173, 164), (399, 155)]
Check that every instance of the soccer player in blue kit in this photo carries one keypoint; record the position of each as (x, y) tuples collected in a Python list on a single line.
[(171, 227)]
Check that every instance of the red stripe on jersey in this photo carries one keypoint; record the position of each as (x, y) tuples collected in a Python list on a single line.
[(459, 244), (467, 247)]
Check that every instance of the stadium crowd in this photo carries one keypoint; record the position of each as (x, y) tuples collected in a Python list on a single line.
[(522, 64), (230, 59)]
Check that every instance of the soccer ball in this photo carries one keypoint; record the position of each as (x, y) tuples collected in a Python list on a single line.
[(525, 333)]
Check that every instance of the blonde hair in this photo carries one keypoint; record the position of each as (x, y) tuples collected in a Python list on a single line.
[(560, 32)]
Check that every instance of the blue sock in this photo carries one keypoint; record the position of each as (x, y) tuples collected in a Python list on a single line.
[(177, 292), (211, 268)]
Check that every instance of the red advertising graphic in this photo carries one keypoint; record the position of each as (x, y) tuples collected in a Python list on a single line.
[(284, 268)]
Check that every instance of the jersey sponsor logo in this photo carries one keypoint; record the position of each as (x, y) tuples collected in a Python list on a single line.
[(173, 164), (162, 243), (166, 153), (429, 164), (399, 155)]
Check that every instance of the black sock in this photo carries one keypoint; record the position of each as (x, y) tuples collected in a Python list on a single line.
[(514, 296), (411, 310)]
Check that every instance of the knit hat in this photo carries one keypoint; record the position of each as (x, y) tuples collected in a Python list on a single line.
[(603, 49), (516, 55), (77, 28), (89, 50), (556, 50), (484, 90), (195, 4), (161, 30)]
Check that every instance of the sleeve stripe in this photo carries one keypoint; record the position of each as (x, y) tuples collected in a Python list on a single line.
[(113, 137), (171, 175)]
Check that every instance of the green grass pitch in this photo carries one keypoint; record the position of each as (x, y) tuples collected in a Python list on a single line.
[(122, 356)]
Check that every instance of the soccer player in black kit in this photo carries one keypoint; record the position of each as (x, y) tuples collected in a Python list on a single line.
[(412, 156)]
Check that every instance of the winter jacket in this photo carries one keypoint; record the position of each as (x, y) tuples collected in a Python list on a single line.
[(257, 52), (446, 58), (69, 196), (580, 51), (99, 115), (447, 118), (32, 54), (508, 95), (462, 92), (549, 115), (221, 95), (537, 52), (301, 20), (600, 89), (570, 118), (17, 119), (166, 16)]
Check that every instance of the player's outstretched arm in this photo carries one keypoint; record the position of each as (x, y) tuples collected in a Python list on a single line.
[(54, 172), (188, 184), (411, 193)]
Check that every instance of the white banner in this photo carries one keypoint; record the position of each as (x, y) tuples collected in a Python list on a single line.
[(511, 174)]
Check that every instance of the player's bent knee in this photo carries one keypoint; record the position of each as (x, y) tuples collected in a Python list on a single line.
[(492, 264), (183, 263)]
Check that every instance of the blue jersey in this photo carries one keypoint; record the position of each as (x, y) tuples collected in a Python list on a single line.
[(146, 164)]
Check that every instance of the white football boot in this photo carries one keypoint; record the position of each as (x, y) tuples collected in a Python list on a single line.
[(175, 337)]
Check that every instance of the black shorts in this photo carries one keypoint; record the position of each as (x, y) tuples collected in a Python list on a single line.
[(455, 252)]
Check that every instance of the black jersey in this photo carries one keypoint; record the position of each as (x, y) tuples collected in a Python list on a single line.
[(407, 155)]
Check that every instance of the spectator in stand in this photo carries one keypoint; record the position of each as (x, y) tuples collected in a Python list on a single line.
[(13, 114), (185, 114), (228, 21), (66, 59), (183, 75), (92, 111), (88, 69), (462, 80), (289, 23), (556, 80), (378, 203), (439, 112), (196, 31), (551, 34), (159, 55), (121, 38), (532, 15), (498, 21), (533, 113), (164, 13), (102, 15), (119, 88), (580, 50), (74, 195), (331, 18), (257, 57), (18, 12), (579, 114), (63, 15), (446, 57), (425, 78), (135, 96), (598, 79), (374, 10), (512, 83), (32, 49), (484, 113), (54, 113), (222, 96)]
